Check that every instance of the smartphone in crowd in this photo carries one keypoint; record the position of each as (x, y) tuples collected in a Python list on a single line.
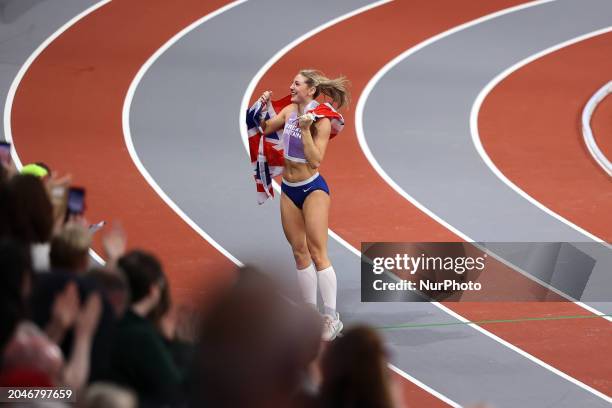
[(5, 152), (76, 201)]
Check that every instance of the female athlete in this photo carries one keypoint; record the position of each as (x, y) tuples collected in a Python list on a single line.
[(305, 198)]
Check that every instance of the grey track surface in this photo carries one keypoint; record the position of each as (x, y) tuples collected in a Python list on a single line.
[(24, 25), (416, 123), (184, 123)]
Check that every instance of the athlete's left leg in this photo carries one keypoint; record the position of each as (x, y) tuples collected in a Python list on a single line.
[(316, 212)]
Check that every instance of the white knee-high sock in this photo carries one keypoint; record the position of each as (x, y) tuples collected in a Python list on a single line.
[(328, 286), (307, 279)]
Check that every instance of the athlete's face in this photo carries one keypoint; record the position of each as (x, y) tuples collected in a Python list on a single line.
[(300, 91)]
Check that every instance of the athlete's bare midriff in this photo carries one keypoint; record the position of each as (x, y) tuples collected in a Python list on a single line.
[(295, 172)]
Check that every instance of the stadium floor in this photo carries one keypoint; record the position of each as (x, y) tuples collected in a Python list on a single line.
[(464, 126)]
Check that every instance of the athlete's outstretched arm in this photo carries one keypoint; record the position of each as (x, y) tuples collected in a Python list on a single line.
[(273, 124)]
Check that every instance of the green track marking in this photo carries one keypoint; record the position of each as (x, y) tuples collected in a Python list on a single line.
[(483, 322)]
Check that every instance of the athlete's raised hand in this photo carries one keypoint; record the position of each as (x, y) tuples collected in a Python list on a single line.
[(306, 120), (265, 97)]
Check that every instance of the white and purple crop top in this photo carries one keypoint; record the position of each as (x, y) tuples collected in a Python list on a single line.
[(292, 136), (292, 140)]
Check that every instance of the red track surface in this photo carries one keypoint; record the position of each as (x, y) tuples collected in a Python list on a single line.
[(67, 112), (530, 127), (71, 100), (365, 208)]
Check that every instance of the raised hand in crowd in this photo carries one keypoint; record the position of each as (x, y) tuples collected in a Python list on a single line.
[(57, 187), (76, 372), (63, 313), (114, 242)]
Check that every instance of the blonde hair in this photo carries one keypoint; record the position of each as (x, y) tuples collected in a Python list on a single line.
[(69, 248), (334, 88), (76, 236)]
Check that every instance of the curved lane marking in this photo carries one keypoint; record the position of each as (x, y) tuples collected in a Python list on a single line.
[(589, 140), (354, 250), (127, 134), (41, 119), (176, 208), (361, 136), (478, 143), (8, 103), (601, 125)]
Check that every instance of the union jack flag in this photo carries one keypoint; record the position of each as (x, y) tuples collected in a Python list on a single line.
[(267, 151)]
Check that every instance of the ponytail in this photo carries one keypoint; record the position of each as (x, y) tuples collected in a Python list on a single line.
[(335, 88)]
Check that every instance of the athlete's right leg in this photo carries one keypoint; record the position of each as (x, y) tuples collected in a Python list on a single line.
[(295, 232)]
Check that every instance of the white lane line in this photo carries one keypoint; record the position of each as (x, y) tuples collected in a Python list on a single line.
[(587, 133), (130, 145), (485, 157), (368, 153), (8, 136), (24, 68), (127, 134), (10, 98), (245, 105), (383, 71), (374, 163), (164, 196), (478, 143), (531, 357)]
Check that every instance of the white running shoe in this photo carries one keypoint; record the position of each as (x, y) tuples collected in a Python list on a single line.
[(331, 327)]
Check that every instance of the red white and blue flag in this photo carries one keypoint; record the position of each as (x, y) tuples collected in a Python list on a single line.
[(267, 151)]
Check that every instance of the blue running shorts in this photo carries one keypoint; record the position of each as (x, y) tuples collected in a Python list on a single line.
[(298, 192)]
